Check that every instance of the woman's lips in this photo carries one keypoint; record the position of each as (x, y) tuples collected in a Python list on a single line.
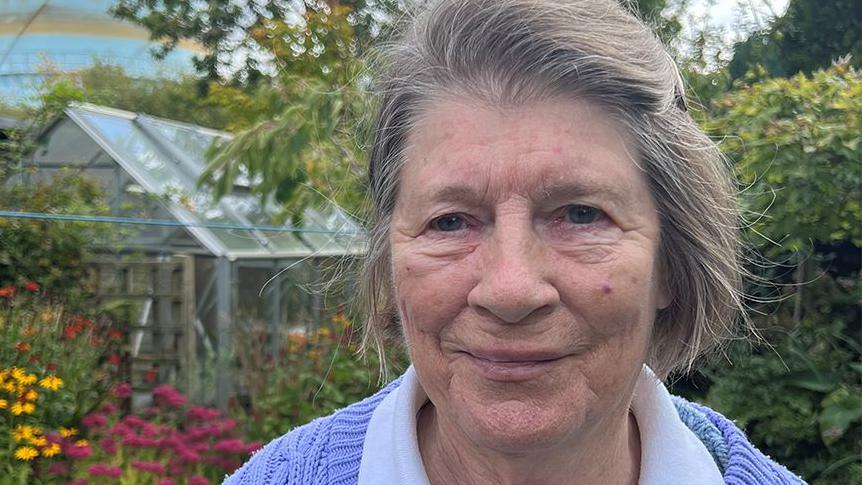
[(512, 367)]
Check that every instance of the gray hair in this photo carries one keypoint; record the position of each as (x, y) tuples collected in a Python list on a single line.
[(512, 52)]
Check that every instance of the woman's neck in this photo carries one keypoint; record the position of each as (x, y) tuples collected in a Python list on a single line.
[(605, 454)]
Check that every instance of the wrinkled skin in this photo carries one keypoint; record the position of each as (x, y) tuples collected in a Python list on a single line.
[(524, 261)]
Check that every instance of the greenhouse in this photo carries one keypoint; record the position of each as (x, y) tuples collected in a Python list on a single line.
[(194, 266)]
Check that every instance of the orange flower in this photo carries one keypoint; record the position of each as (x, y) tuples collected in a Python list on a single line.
[(22, 347), (7, 292), (32, 286)]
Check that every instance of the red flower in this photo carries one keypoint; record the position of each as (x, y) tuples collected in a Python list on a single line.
[(115, 334), (123, 391), (34, 358), (149, 466), (7, 292), (32, 286), (169, 396), (150, 376), (51, 367), (198, 480), (94, 420), (105, 471), (22, 347), (232, 445), (114, 359), (108, 445)]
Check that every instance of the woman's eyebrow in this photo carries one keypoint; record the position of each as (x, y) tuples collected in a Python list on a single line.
[(569, 190), (463, 194)]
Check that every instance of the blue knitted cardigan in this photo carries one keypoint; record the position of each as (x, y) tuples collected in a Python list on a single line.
[(328, 450)]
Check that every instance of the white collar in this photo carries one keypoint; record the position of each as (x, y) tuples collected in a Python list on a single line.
[(670, 452)]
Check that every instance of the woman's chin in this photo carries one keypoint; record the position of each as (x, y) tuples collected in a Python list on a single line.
[(521, 426)]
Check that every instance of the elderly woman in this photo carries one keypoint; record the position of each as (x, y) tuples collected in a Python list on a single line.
[(552, 237)]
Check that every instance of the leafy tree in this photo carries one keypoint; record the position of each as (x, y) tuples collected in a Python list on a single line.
[(810, 35), (796, 144)]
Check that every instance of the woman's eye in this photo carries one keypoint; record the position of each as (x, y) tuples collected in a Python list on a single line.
[(582, 214), (448, 223)]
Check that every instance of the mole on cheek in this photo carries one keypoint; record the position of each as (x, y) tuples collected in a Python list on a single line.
[(607, 288)]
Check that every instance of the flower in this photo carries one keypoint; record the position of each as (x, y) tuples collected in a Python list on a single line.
[(149, 466), (110, 408), (99, 469), (31, 395), (165, 481), (114, 359), (7, 292), (150, 376), (198, 480), (51, 382), (123, 391), (31, 286), (200, 413), (3, 404), (67, 432), (169, 396), (26, 453), (51, 450), (232, 445), (24, 432), (108, 445), (38, 441), (22, 347), (18, 409), (78, 450), (94, 420), (58, 468), (115, 334)]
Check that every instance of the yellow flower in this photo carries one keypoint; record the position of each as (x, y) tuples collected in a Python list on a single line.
[(31, 395), (9, 386), (26, 453), (51, 382), (67, 432), (324, 333), (4, 373), (25, 432), (51, 450), (29, 408), (17, 409), (3, 404), (38, 441), (28, 379), (18, 373), (81, 443)]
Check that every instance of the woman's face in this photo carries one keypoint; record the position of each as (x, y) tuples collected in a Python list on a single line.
[(524, 251)]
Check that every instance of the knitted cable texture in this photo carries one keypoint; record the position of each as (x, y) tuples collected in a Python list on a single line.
[(328, 450)]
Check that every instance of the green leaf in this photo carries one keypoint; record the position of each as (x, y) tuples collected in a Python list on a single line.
[(841, 408)]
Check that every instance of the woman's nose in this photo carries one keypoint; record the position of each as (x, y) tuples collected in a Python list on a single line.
[(513, 281)]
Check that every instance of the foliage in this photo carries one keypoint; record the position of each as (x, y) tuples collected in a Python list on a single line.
[(50, 252), (809, 36), (795, 143), (171, 441), (56, 367), (302, 37), (315, 373)]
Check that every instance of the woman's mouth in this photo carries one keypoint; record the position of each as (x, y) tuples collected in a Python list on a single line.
[(513, 366)]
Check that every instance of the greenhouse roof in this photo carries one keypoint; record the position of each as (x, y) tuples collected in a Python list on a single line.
[(166, 159)]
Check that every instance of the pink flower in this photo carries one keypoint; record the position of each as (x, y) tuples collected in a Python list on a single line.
[(253, 446), (232, 445), (165, 481), (100, 470), (79, 481), (226, 425), (188, 455), (149, 466), (108, 445), (200, 413), (123, 391), (149, 430), (94, 421), (134, 421), (77, 451), (121, 429), (198, 480), (139, 441), (110, 408), (168, 396)]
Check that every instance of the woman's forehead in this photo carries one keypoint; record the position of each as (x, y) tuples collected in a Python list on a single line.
[(459, 150)]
